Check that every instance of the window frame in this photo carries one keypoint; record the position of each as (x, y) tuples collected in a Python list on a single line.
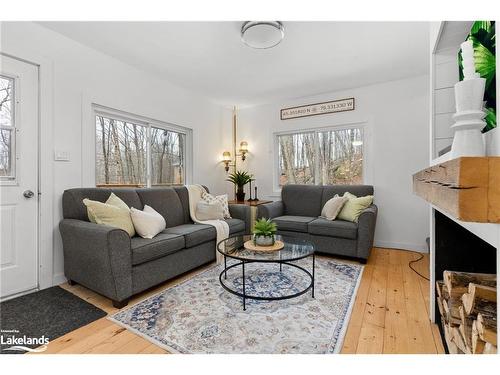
[(13, 180), (316, 131), (148, 123)]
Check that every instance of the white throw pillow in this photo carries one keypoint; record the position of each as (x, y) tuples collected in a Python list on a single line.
[(209, 211), (333, 206), (218, 198), (147, 223)]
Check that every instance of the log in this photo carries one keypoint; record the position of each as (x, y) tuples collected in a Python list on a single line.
[(489, 349), (487, 328), (459, 341), (458, 282), (477, 344), (466, 330), (452, 312), (452, 347), (476, 292), (439, 288)]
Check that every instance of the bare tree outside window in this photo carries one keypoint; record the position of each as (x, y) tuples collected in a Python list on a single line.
[(7, 128), (120, 152), (167, 157), (296, 158), (321, 157), (122, 149), (341, 157)]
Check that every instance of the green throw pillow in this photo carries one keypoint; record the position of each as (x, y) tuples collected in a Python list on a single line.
[(114, 213), (354, 206)]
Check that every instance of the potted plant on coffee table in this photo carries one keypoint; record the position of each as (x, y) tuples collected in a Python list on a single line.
[(240, 179), (263, 232)]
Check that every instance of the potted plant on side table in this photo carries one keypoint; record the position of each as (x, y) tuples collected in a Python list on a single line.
[(240, 179), (263, 232)]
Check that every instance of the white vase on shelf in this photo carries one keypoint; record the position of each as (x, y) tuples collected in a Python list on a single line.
[(469, 118)]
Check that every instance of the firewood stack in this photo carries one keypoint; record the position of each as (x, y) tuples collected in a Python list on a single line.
[(468, 306)]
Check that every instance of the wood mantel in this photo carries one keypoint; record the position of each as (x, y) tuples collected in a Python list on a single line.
[(468, 188)]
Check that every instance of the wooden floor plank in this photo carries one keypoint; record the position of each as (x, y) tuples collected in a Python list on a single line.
[(353, 330), (390, 314), (377, 295), (396, 339), (419, 325), (371, 339)]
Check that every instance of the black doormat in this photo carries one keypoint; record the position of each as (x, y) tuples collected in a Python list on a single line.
[(32, 320)]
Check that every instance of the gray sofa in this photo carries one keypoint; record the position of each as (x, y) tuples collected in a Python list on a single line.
[(297, 215), (106, 260)]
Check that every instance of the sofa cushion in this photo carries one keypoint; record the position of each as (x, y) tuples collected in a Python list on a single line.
[(293, 223), (194, 234), (302, 200), (167, 202), (145, 249), (235, 225), (335, 228)]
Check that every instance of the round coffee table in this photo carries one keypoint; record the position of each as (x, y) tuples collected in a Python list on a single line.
[(294, 249)]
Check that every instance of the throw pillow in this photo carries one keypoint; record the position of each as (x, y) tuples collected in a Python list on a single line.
[(107, 214), (354, 206), (147, 223), (209, 211), (218, 198), (333, 206)]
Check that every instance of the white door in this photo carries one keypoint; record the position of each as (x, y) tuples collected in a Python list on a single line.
[(18, 176)]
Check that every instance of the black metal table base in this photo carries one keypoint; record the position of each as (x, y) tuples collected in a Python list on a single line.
[(245, 296)]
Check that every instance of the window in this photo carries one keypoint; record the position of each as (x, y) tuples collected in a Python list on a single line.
[(136, 153), (7, 129), (321, 157), (167, 157)]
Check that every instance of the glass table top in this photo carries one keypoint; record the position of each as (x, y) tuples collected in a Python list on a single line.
[(294, 249)]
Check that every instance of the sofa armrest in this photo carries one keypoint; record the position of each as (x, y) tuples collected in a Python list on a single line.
[(366, 231), (98, 257), (242, 212), (270, 210)]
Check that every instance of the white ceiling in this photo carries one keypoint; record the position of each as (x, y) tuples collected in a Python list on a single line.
[(313, 58)]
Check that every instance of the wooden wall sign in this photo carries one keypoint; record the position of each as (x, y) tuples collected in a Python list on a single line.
[(323, 108)]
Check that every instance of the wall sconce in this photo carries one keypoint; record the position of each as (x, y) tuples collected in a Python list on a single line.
[(226, 159), (243, 150), (230, 160)]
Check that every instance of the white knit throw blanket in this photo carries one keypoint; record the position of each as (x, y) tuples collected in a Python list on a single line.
[(221, 227)]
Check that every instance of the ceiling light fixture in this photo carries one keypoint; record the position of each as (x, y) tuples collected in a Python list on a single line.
[(262, 34)]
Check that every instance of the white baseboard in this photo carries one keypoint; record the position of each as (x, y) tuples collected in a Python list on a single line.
[(58, 279), (421, 248)]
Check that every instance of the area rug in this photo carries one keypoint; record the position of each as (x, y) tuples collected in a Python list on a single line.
[(199, 316), (30, 321)]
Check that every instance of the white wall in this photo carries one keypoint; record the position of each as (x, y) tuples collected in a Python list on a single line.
[(81, 74), (396, 115)]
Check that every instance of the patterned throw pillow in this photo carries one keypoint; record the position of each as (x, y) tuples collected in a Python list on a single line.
[(222, 199)]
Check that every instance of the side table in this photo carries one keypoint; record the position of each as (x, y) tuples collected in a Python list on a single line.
[(253, 209)]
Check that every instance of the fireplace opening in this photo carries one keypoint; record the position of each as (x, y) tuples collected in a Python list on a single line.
[(459, 250)]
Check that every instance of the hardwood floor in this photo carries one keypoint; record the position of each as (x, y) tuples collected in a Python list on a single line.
[(390, 314)]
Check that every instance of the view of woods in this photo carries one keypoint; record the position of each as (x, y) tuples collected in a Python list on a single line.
[(122, 149), (325, 157), (6, 127)]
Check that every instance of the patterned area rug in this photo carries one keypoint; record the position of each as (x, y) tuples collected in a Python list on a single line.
[(199, 316)]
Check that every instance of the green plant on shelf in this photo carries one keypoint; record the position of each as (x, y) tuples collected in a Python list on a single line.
[(240, 179)]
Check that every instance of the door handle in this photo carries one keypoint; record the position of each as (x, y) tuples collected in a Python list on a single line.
[(28, 194)]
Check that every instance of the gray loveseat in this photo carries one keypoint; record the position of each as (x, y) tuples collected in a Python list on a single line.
[(297, 215), (106, 260)]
